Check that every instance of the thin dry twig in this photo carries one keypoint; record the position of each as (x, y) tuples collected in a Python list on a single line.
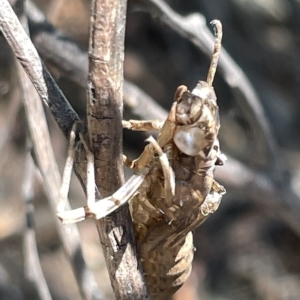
[(104, 109), (32, 264)]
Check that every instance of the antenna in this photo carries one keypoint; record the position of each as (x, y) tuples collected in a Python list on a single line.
[(217, 26)]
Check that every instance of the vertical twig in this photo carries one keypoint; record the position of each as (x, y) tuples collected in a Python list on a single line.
[(32, 264), (105, 86)]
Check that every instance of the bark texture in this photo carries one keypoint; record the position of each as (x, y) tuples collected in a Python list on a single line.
[(105, 105)]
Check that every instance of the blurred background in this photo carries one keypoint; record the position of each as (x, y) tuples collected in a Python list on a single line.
[(246, 250)]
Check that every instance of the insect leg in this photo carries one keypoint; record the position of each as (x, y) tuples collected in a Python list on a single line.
[(104, 207), (209, 206), (213, 199), (65, 185), (127, 162), (90, 169), (139, 125), (169, 181)]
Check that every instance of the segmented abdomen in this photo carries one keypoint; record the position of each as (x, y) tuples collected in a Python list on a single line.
[(166, 248), (165, 268)]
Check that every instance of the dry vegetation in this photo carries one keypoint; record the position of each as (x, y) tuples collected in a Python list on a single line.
[(249, 249)]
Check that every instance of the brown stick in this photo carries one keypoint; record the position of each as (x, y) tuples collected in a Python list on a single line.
[(104, 107)]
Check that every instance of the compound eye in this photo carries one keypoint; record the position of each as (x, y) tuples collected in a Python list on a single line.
[(190, 141)]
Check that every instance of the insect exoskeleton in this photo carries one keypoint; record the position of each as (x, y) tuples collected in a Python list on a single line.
[(165, 218)]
